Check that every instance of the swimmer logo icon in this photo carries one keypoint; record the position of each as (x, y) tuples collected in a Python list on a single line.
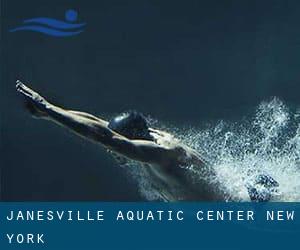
[(53, 27)]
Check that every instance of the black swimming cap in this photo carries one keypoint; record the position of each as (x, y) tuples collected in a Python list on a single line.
[(132, 125)]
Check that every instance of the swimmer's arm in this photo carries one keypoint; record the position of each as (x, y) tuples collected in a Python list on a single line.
[(83, 124), (87, 115), (34, 100), (142, 150), (96, 129)]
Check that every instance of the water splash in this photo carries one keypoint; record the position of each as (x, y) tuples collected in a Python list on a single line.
[(267, 142)]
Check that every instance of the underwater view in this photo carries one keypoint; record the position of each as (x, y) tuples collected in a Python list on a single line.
[(221, 77)]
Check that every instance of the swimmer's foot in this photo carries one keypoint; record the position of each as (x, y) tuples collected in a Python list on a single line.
[(34, 103), (263, 188)]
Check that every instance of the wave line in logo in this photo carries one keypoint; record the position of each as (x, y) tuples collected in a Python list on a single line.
[(53, 27)]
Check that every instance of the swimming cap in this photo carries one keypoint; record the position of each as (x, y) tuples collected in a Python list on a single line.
[(132, 125)]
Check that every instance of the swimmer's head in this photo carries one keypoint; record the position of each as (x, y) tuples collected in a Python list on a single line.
[(132, 125)]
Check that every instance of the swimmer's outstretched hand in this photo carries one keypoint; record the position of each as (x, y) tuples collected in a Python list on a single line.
[(35, 103)]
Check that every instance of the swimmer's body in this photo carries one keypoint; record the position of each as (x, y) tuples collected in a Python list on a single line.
[(128, 135)]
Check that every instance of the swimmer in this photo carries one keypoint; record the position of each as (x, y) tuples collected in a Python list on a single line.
[(129, 136)]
